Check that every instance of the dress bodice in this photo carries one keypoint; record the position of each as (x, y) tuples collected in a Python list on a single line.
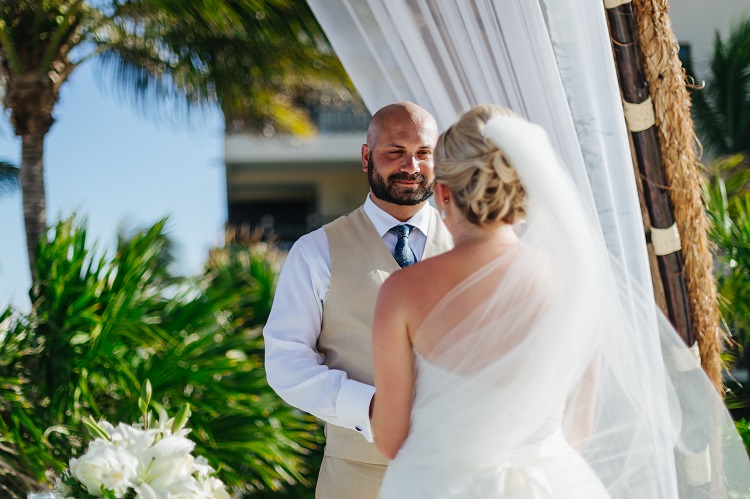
[(456, 454), (429, 378)]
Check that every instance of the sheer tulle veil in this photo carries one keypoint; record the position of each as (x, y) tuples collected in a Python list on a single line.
[(545, 339)]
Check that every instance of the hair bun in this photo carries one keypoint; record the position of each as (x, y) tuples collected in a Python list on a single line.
[(485, 186)]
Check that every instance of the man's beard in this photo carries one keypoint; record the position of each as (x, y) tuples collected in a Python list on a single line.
[(391, 192)]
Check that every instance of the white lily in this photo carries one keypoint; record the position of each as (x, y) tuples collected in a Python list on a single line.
[(213, 488), (132, 439), (201, 467), (176, 486), (145, 491), (149, 459), (166, 466), (105, 466)]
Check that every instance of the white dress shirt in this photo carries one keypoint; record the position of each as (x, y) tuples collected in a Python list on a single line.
[(294, 367)]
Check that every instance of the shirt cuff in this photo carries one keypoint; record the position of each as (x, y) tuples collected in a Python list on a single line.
[(353, 407)]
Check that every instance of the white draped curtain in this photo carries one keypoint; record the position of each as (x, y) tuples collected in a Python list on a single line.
[(548, 60)]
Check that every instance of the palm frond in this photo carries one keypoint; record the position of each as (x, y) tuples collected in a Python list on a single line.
[(248, 57), (727, 201), (9, 181), (722, 108)]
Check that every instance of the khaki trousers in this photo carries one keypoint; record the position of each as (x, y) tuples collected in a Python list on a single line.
[(343, 479)]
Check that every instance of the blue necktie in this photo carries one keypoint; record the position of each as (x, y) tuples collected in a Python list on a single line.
[(403, 254)]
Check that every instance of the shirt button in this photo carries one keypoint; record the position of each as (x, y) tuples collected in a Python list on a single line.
[(358, 428)]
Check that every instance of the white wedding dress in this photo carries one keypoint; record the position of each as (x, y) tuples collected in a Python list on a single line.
[(545, 466), (545, 380), (461, 443)]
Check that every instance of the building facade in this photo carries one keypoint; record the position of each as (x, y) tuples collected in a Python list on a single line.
[(289, 185), (696, 22)]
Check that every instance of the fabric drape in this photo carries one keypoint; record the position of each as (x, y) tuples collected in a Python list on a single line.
[(548, 60)]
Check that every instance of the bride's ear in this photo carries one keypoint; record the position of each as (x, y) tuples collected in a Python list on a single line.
[(442, 196)]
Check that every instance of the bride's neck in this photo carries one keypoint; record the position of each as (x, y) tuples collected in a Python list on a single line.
[(468, 234)]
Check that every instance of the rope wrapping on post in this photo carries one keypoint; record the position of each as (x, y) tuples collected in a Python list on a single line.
[(666, 241), (641, 121), (639, 117), (611, 4)]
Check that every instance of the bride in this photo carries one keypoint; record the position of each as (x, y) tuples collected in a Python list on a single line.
[(517, 366)]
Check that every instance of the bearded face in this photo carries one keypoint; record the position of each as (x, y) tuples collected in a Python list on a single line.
[(399, 188)]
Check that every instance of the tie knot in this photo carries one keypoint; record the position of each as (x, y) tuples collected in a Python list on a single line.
[(402, 230)]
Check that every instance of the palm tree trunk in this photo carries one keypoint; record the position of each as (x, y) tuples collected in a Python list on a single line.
[(32, 187)]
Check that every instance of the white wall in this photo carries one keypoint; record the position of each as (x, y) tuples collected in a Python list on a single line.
[(696, 22)]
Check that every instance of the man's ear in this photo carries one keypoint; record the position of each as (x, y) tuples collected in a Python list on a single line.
[(365, 157)]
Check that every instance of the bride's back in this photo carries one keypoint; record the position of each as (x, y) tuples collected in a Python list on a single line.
[(479, 304)]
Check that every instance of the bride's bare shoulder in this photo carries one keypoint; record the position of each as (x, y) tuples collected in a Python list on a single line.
[(422, 280), (414, 275)]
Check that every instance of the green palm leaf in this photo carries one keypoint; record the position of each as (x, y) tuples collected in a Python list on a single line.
[(722, 108), (728, 208), (9, 181)]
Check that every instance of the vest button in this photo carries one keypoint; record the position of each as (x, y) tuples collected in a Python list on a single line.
[(358, 428)]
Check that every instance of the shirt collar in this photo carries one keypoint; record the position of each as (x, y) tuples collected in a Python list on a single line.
[(383, 222)]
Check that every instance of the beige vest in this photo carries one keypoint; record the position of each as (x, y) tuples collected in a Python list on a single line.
[(360, 263)]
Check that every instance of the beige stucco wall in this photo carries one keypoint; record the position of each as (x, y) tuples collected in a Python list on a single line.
[(696, 22)]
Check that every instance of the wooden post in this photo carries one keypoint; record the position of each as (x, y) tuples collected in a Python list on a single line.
[(644, 135)]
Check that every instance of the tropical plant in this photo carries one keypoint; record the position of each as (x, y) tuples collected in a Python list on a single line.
[(249, 57), (727, 199), (743, 428), (100, 325), (728, 207), (722, 108)]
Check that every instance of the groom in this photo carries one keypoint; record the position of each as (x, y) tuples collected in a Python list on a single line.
[(318, 336)]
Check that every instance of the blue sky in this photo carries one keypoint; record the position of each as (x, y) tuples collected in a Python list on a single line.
[(115, 165)]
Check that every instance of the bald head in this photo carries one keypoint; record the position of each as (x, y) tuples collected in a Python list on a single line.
[(398, 158), (403, 113)]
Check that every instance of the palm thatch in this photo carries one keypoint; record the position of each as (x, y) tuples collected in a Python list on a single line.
[(678, 144)]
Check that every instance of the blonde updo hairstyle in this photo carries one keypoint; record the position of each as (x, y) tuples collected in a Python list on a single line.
[(484, 186)]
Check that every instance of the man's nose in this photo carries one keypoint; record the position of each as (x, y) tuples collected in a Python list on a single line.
[(411, 164)]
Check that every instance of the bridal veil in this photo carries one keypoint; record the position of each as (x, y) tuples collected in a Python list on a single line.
[(545, 340)]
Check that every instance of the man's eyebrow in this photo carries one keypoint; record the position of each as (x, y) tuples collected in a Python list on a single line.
[(398, 146)]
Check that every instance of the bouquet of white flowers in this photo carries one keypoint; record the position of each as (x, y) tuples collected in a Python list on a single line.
[(149, 460)]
